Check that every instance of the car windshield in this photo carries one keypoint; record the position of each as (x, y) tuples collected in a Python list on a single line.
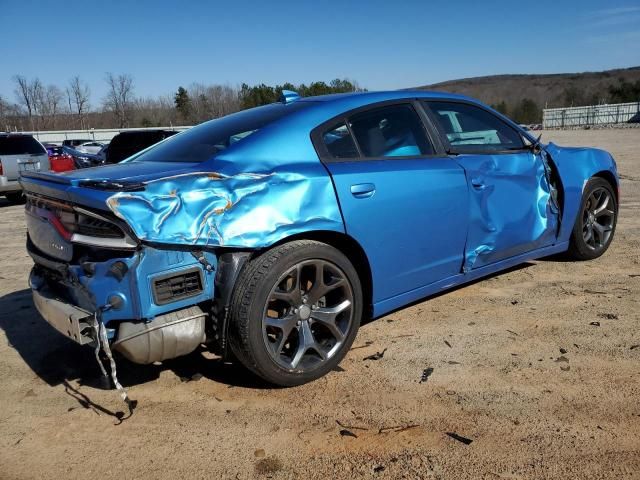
[(204, 141), (20, 145)]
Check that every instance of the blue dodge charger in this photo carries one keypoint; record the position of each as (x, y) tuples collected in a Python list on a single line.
[(270, 234)]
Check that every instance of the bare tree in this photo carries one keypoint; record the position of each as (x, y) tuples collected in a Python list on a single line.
[(78, 94), (36, 91), (23, 94), (212, 101), (50, 108), (6, 111), (153, 112), (119, 97)]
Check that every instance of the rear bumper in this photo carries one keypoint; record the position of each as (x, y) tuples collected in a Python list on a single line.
[(139, 287), (8, 186), (73, 322), (166, 336)]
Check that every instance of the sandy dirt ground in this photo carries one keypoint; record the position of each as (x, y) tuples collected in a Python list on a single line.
[(538, 368)]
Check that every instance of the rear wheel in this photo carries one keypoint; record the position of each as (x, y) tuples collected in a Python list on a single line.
[(296, 310), (15, 198), (596, 222)]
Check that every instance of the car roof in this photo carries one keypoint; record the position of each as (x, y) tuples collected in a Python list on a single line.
[(381, 96), (325, 107)]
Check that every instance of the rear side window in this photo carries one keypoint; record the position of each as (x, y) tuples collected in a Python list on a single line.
[(339, 142), (20, 145), (468, 127), (392, 131)]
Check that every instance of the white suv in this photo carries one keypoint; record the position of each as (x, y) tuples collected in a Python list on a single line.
[(19, 153)]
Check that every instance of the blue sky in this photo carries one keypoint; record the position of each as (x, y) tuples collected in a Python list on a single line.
[(381, 44)]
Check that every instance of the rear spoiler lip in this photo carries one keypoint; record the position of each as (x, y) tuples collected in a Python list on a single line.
[(65, 189), (96, 184), (60, 179)]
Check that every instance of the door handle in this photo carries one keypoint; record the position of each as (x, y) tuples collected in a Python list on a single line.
[(478, 184), (363, 190)]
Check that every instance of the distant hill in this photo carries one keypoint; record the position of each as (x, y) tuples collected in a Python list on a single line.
[(546, 90)]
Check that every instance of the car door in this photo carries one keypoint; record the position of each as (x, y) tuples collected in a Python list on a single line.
[(512, 207), (402, 201)]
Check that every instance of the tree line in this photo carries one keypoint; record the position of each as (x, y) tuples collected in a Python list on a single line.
[(39, 107)]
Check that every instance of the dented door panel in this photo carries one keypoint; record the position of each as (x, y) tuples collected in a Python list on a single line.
[(510, 206)]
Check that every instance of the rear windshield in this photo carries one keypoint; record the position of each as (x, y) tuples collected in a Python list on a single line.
[(204, 141), (20, 145)]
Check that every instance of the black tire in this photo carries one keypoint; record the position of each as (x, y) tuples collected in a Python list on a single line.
[(15, 198), (583, 246), (256, 287)]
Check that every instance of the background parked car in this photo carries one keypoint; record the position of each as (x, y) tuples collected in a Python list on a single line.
[(102, 154), (90, 147), (74, 142), (83, 159), (19, 153), (126, 144), (58, 159)]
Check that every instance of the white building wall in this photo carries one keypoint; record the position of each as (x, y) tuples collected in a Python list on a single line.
[(101, 134)]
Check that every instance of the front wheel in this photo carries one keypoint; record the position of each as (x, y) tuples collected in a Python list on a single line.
[(295, 312), (596, 222)]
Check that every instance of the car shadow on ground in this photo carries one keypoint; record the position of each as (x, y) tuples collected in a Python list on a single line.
[(4, 203), (58, 360)]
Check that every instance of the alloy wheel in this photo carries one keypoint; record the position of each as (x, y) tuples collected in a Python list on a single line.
[(598, 219), (308, 315)]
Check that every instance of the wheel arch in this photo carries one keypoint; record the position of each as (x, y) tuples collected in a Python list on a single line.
[(612, 180)]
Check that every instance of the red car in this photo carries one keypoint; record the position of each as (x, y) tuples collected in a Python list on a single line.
[(58, 159)]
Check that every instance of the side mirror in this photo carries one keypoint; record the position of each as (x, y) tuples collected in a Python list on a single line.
[(536, 146)]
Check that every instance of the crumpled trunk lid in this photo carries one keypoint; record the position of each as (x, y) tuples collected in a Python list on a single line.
[(92, 187)]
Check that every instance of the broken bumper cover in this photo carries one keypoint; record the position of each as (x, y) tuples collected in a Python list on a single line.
[(149, 283), (73, 322)]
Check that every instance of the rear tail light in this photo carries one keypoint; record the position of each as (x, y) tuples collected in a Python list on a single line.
[(1, 173), (61, 163)]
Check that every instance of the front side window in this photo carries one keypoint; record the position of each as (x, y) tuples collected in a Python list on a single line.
[(468, 127), (392, 131)]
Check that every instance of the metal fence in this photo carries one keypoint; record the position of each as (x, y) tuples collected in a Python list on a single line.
[(99, 134), (591, 115)]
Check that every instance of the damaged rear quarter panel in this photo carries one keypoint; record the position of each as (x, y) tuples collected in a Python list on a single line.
[(246, 209)]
